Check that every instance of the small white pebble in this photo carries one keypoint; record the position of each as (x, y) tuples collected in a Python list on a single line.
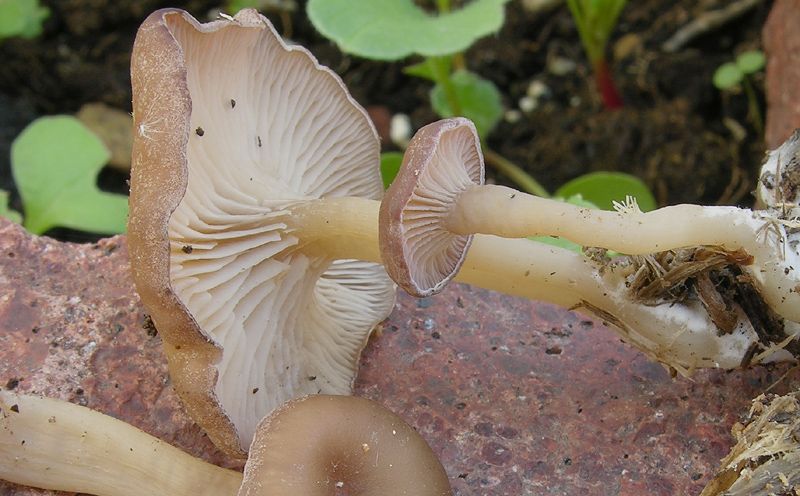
[(538, 90), (512, 116), (400, 129), (561, 66), (528, 104)]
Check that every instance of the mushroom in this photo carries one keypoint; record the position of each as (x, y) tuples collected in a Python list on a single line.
[(348, 445), (438, 201), (261, 278), (661, 299), (236, 135), (308, 446)]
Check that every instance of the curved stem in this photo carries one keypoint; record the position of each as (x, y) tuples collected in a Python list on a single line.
[(502, 211), (604, 80), (515, 173), (441, 69), (65, 447), (505, 212), (682, 336), (755, 108)]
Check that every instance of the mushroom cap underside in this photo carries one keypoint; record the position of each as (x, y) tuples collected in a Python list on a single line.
[(443, 160), (232, 127)]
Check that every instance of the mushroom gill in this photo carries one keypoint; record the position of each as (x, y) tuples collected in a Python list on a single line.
[(233, 129)]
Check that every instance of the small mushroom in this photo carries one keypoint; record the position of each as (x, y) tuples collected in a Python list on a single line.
[(309, 446), (252, 308), (348, 445), (438, 200)]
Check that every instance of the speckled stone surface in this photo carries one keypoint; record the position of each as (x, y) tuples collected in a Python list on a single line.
[(517, 397), (782, 47)]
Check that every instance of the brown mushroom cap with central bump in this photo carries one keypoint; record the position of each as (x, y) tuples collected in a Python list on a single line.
[(442, 160), (344, 445), (232, 129)]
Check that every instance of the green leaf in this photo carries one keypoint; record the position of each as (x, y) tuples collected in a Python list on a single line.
[(21, 18), (480, 101), (727, 76), (390, 166), (6, 212), (604, 188), (595, 20), (751, 61), (55, 162), (431, 68), (395, 29)]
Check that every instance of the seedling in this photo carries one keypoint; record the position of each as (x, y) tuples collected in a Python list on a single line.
[(595, 20), (5, 211), (391, 30), (55, 162), (394, 29), (21, 18), (731, 74)]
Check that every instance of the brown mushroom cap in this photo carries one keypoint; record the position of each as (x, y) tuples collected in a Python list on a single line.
[(233, 128), (320, 445), (442, 161)]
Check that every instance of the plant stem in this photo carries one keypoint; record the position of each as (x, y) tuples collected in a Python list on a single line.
[(441, 72), (443, 6), (605, 85), (595, 20), (515, 173), (755, 108)]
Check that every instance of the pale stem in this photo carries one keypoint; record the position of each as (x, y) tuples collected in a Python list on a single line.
[(505, 212), (57, 445), (682, 337), (508, 213)]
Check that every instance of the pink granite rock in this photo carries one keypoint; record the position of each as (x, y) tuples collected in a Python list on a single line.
[(517, 397), (782, 46)]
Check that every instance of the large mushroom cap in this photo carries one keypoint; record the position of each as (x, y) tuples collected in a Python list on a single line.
[(232, 127), (442, 160)]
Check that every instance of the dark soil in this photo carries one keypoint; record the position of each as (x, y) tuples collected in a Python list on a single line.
[(678, 133)]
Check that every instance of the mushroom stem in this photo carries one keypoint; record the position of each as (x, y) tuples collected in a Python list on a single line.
[(682, 336), (508, 213), (347, 228), (339, 228), (348, 445), (312, 445), (505, 212), (65, 447)]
